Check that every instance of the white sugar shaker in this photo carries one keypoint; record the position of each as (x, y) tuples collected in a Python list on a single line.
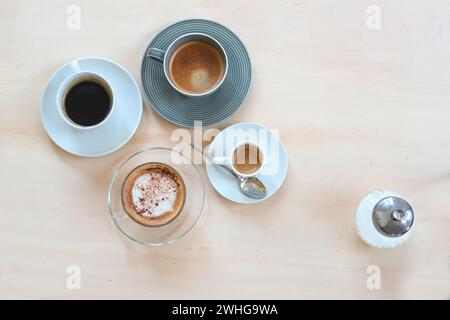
[(384, 219)]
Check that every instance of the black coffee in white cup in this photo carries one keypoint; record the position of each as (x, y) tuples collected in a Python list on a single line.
[(85, 100)]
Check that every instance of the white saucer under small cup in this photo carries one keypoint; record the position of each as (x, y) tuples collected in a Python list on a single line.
[(110, 136), (272, 174), (365, 225)]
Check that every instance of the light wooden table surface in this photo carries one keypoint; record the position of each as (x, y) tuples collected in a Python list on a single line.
[(357, 108)]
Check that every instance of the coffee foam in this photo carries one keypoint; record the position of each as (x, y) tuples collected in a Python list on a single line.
[(154, 193), (200, 79), (196, 67)]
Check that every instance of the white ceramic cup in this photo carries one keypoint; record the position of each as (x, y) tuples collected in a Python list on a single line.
[(77, 76), (165, 57), (229, 159)]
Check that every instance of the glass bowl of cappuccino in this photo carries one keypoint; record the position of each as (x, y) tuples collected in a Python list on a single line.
[(156, 196)]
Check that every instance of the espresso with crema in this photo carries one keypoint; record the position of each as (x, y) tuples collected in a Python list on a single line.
[(196, 67), (153, 194), (247, 159)]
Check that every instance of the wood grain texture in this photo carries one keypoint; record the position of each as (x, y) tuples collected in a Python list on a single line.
[(357, 109)]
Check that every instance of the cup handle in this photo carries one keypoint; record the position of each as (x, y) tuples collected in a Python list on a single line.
[(75, 66), (220, 160), (156, 54), (119, 215)]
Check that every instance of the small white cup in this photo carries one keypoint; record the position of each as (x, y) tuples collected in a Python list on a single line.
[(68, 83), (229, 159)]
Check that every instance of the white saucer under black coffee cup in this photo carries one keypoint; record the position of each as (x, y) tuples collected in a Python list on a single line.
[(103, 132)]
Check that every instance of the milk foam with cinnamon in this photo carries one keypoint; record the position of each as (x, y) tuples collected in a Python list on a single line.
[(154, 193)]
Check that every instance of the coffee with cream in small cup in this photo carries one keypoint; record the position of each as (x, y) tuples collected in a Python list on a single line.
[(246, 159), (153, 194)]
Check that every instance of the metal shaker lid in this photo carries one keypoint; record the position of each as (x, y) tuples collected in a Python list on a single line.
[(393, 216)]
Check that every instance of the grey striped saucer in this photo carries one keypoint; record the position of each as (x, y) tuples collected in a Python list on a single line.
[(211, 109)]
